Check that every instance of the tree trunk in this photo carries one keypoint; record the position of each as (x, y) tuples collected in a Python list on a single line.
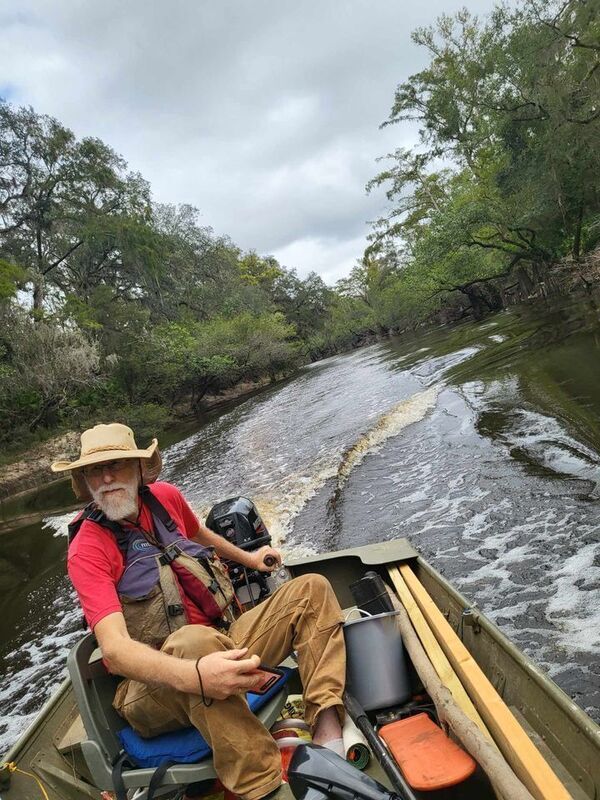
[(577, 234), (39, 292), (38, 280), (47, 414), (200, 389), (483, 299)]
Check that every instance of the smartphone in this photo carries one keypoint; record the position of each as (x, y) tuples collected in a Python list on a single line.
[(270, 677)]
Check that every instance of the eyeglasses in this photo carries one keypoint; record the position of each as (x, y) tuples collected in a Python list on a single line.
[(97, 470)]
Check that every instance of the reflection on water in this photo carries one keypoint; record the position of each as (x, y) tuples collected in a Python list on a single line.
[(480, 444)]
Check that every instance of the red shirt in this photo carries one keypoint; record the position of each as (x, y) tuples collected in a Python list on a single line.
[(95, 563)]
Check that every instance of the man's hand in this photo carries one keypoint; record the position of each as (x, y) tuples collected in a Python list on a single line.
[(257, 559), (227, 672), (225, 549)]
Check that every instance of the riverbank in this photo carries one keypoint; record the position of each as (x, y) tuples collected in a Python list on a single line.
[(31, 470), (525, 284)]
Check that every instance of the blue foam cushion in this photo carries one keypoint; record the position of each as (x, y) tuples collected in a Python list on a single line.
[(185, 746)]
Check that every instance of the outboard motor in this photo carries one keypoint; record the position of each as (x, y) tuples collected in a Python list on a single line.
[(237, 520)]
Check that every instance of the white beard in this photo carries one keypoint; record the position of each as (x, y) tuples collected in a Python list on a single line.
[(117, 505)]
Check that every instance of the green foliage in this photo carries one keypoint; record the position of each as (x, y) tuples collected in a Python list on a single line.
[(507, 169), (257, 344), (257, 271), (53, 192), (147, 420), (10, 278), (42, 365), (128, 309)]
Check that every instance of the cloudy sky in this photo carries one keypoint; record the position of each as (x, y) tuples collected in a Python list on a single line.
[(262, 113)]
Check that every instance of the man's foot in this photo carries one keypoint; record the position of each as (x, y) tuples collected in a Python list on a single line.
[(336, 746)]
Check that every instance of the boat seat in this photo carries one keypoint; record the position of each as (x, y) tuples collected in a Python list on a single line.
[(94, 688), (429, 759)]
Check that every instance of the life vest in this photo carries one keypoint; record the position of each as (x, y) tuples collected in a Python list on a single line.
[(159, 566)]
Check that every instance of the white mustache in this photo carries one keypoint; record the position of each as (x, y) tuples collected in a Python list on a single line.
[(112, 488)]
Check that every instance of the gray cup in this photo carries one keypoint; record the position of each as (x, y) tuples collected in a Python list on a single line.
[(376, 673)]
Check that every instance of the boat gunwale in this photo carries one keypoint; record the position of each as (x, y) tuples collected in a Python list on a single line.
[(45, 711)]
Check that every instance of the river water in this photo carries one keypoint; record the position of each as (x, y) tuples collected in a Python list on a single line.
[(481, 444)]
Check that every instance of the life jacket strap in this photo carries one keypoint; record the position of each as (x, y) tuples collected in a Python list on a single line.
[(157, 508), (169, 554)]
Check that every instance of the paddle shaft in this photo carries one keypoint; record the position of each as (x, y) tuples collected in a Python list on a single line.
[(388, 764)]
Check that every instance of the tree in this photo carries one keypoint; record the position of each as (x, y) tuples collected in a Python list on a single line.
[(304, 303), (416, 192), (200, 269), (259, 271), (258, 343), (511, 107), (52, 189)]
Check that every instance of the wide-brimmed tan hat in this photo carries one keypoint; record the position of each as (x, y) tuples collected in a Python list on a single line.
[(109, 443)]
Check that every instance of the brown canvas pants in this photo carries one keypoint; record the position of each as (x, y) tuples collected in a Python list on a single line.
[(302, 615)]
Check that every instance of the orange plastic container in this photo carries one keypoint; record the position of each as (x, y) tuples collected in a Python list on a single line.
[(428, 759)]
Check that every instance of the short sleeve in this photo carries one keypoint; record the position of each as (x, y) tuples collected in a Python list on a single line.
[(190, 520), (93, 567)]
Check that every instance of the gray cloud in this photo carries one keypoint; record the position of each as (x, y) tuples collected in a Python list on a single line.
[(264, 114)]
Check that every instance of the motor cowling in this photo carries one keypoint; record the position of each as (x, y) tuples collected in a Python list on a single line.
[(237, 520)]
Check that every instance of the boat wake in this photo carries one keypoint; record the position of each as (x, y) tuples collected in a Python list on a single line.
[(389, 424), (282, 494), (280, 505), (282, 498)]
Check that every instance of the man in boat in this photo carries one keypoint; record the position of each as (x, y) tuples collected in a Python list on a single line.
[(158, 603)]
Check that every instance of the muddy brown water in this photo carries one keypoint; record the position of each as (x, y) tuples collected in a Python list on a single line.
[(481, 444)]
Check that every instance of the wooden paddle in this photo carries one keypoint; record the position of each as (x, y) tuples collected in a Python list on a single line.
[(436, 655), (516, 746)]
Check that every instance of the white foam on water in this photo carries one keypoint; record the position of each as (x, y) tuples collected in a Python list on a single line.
[(532, 581), (39, 668), (279, 505), (544, 439), (284, 452), (575, 610), (433, 369), (507, 538), (280, 501), (58, 523)]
